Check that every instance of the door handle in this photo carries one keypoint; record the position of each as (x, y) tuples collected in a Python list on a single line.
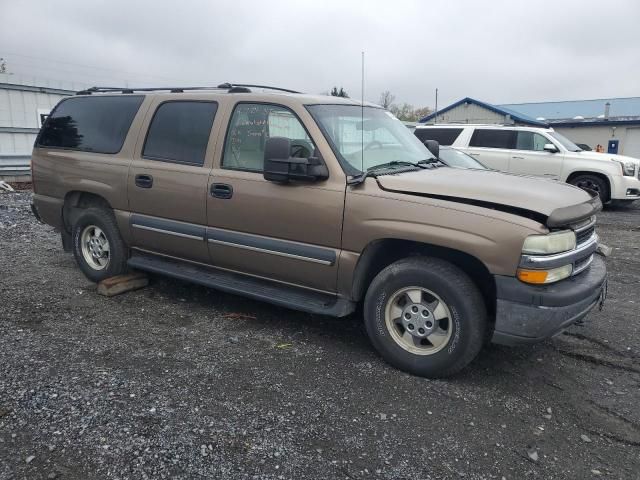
[(221, 190), (144, 181), (518, 158), (474, 154)]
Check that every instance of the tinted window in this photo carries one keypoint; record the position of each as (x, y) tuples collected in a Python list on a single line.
[(531, 141), (91, 124), (179, 132), (483, 137), (251, 125), (444, 136)]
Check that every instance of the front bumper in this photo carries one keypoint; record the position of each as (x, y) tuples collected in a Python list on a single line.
[(625, 188), (530, 314)]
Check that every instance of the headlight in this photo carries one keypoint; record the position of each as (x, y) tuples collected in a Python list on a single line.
[(628, 168), (540, 277), (552, 243)]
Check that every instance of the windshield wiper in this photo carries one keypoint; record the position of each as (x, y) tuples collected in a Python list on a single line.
[(431, 162), (372, 171)]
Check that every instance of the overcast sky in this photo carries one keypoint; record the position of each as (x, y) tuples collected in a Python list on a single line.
[(496, 51)]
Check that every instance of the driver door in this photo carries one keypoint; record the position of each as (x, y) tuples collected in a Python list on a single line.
[(285, 232)]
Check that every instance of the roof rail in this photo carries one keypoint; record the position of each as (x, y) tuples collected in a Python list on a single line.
[(230, 87)]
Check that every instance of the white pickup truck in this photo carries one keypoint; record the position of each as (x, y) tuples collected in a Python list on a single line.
[(542, 152)]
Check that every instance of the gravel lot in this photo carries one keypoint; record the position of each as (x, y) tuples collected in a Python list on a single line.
[(177, 381)]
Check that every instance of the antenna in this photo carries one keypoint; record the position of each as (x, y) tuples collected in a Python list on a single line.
[(362, 117)]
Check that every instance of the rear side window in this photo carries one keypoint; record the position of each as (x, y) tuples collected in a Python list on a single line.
[(179, 132), (444, 136), (90, 124), (487, 138)]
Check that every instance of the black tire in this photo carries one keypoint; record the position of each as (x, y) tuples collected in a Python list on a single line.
[(454, 287), (118, 252), (592, 182)]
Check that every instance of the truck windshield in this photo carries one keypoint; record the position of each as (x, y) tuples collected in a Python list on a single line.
[(368, 137)]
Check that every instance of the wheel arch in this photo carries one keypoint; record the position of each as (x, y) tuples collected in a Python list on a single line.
[(77, 199), (600, 175), (378, 254)]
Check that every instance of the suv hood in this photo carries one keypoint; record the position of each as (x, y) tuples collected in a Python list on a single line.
[(602, 156), (547, 201)]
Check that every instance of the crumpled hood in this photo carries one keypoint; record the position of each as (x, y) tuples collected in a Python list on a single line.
[(557, 202)]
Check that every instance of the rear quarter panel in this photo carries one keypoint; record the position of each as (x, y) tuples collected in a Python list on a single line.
[(56, 172)]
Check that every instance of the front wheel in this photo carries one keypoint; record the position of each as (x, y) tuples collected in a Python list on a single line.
[(98, 246), (594, 184), (425, 316)]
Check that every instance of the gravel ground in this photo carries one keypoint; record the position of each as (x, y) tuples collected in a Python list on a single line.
[(177, 381)]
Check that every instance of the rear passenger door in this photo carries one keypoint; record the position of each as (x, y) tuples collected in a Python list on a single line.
[(167, 182), (492, 146), (530, 158), (285, 232)]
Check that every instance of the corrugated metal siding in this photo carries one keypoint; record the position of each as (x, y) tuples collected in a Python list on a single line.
[(470, 113)]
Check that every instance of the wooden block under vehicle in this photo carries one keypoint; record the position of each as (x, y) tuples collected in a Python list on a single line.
[(122, 283)]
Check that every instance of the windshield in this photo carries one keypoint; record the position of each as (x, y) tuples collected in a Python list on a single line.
[(455, 158), (565, 142), (368, 137)]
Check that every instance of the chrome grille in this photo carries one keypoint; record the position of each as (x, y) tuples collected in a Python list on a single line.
[(584, 235)]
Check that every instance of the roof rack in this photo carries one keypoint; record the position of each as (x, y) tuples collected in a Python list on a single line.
[(230, 87)]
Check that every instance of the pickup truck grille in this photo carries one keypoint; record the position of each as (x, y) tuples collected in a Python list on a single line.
[(584, 235)]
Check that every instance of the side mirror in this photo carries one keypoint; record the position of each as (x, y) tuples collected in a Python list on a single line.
[(550, 147), (280, 167), (433, 147)]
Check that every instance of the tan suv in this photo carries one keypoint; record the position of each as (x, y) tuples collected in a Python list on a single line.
[(318, 204)]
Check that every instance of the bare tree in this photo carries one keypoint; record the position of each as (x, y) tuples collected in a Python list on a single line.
[(408, 113), (386, 99), (3, 65)]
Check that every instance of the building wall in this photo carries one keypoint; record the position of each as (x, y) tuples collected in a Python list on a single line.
[(592, 136), (471, 113)]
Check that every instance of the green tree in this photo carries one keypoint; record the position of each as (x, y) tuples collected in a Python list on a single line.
[(339, 93)]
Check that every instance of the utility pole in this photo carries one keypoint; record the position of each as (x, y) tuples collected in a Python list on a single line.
[(435, 116)]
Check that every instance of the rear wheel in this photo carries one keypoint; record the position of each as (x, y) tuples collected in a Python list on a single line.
[(425, 316), (97, 245), (593, 183)]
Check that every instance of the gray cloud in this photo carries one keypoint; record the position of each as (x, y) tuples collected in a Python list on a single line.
[(498, 51)]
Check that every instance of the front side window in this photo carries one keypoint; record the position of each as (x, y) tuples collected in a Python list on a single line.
[(251, 125), (531, 141), (444, 136), (90, 124), (179, 132), (367, 137), (488, 138)]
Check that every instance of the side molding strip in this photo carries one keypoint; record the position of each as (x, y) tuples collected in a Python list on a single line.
[(282, 248), (170, 227)]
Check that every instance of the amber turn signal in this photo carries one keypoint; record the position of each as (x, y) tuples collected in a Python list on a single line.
[(539, 277)]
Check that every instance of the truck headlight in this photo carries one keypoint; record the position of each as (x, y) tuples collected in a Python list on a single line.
[(555, 242), (628, 168)]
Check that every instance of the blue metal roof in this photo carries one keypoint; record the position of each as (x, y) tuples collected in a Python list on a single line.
[(620, 107), (500, 109)]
